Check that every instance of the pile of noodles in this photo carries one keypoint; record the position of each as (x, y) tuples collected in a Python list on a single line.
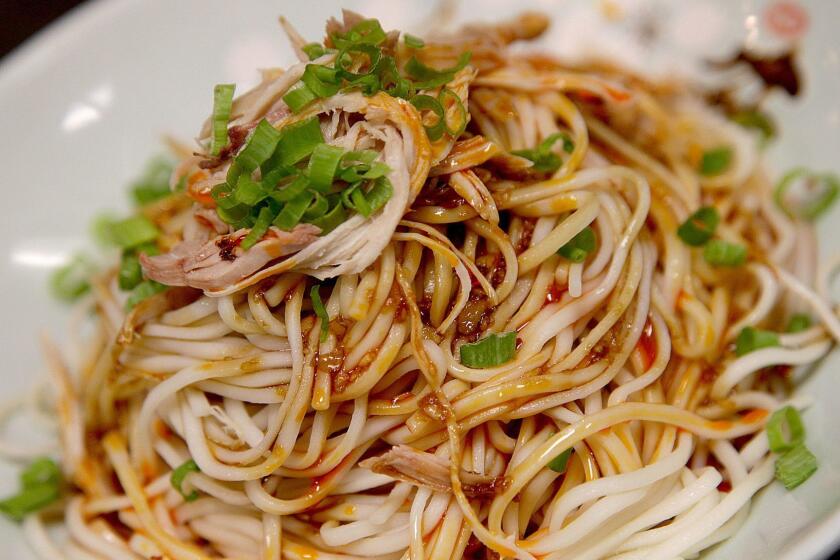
[(378, 442)]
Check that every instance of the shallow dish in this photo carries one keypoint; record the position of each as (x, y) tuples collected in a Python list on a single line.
[(86, 102)]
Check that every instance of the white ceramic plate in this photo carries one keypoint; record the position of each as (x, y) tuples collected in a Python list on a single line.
[(85, 103)]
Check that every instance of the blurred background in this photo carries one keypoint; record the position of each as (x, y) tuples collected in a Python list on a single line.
[(21, 18)]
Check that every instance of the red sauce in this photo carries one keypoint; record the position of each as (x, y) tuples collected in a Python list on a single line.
[(647, 345), (725, 486), (445, 197), (227, 246), (554, 293)]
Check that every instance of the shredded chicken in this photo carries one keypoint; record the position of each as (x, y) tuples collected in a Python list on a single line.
[(430, 471), (221, 262)]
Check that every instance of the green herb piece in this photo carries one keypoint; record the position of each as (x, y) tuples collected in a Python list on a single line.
[(820, 192), (699, 228), (72, 280), (222, 103), (133, 231), (751, 339), (718, 252), (413, 42), (758, 121), (320, 311), (716, 161), (460, 110), (427, 78), (798, 322), (323, 164), (314, 50), (795, 466), (785, 430), (130, 273), (40, 486), (264, 219), (293, 211), (428, 103), (176, 479), (544, 158), (559, 463), (153, 184), (143, 290), (299, 97), (492, 350), (580, 246)]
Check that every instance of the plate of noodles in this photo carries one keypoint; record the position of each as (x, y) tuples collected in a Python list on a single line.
[(467, 280)]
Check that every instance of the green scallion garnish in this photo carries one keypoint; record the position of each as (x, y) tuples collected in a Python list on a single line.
[(323, 164), (580, 246), (460, 110), (751, 339), (292, 212), (559, 463), (314, 50), (492, 350), (425, 102), (320, 311), (715, 161), (299, 97), (132, 232), (40, 486), (143, 290), (813, 193), (718, 252), (544, 158), (153, 184), (72, 280), (413, 42), (264, 219), (758, 121), (176, 479), (699, 228), (785, 430), (798, 322), (795, 466), (428, 78), (222, 103), (130, 273)]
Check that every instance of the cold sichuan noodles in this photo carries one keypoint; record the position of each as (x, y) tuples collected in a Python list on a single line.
[(439, 299)]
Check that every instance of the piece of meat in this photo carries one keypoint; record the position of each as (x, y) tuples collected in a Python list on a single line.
[(430, 471), (221, 262)]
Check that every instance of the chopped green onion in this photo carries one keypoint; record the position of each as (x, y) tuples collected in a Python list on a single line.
[(248, 191), (176, 479), (391, 81), (785, 430), (413, 42), (292, 190), (579, 246), (73, 279), (427, 102), (130, 273), (235, 214), (266, 216), (795, 466), (492, 350), (428, 78), (41, 471), (154, 183), (133, 231), (321, 80), (718, 252), (222, 195), (819, 193), (715, 161), (362, 171), (333, 218), (559, 463), (313, 50), (317, 208), (293, 211), (459, 109), (320, 311), (258, 149), (355, 199), (758, 121), (323, 164), (366, 32), (222, 103), (379, 194), (40, 486), (144, 290), (344, 60), (799, 322), (751, 339), (100, 229), (299, 97), (699, 228), (544, 158), (296, 142)]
